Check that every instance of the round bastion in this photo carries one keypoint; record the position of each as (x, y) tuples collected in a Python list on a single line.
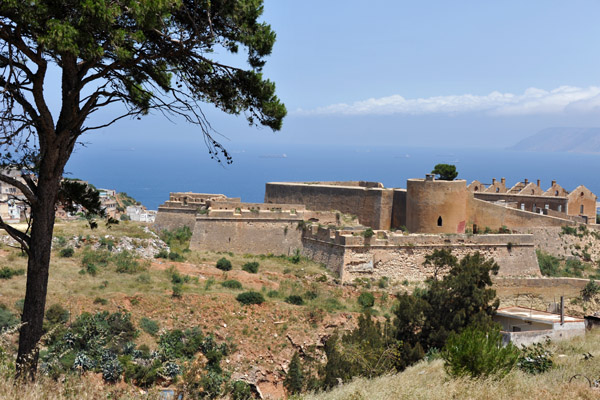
[(436, 206)]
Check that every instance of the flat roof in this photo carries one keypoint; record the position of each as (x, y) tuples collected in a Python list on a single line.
[(529, 314)]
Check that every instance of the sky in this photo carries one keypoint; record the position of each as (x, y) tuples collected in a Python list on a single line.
[(456, 74)]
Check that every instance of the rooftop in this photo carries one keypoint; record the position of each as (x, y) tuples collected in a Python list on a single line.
[(528, 314)]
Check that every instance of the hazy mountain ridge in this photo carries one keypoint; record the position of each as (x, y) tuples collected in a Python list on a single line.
[(565, 139)]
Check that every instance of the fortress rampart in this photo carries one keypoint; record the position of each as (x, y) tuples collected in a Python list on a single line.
[(401, 257)]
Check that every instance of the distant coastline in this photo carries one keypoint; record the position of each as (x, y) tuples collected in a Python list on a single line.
[(562, 139)]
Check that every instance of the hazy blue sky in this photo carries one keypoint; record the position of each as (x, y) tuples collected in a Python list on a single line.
[(460, 73)]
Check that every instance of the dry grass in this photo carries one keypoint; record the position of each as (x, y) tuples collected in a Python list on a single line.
[(429, 381)]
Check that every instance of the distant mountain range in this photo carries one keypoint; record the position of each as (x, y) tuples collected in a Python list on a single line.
[(575, 140)]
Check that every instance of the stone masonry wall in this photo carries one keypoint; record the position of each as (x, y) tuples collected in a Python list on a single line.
[(372, 206), (173, 218), (401, 257)]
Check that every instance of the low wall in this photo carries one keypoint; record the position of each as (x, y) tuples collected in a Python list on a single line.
[(401, 257), (494, 216), (247, 235), (372, 205), (173, 218)]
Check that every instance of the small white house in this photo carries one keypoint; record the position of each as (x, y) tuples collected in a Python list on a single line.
[(526, 326)]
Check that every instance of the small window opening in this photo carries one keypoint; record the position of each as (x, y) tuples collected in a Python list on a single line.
[(560, 208), (497, 189), (546, 206), (532, 191), (523, 206), (581, 194), (581, 209), (476, 188), (439, 222), (556, 192)]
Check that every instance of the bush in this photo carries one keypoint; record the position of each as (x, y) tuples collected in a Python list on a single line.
[(162, 254), (224, 264), (7, 272), (173, 256), (91, 260), (7, 319), (127, 264), (248, 298), (272, 293), (251, 267), (536, 359), (294, 378), (100, 300), (66, 252), (366, 300), (549, 265), (177, 290), (590, 290), (149, 326), (295, 299), (367, 233), (57, 314), (476, 352), (232, 284), (240, 390)]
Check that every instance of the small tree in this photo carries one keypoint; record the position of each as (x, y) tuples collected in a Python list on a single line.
[(445, 172), (294, 379)]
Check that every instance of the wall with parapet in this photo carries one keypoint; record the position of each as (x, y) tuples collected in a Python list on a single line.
[(401, 257), (172, 218), (372, 205), (257, 232), (530, 203), (494, 216)]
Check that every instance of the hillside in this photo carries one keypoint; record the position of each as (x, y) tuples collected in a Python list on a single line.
[(565, 139)]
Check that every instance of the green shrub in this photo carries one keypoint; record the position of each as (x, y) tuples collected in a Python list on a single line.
[(91, 260), (536, 359), (549, 265), (568, 230), (251, 267), (272, 293), (296, 258), (173, 256), (295, 299), (100, 300), (7, 319), (366, 300), (367, 233), (177, 290), (224, 264), (66, 252), (162, 254), (590, 290), (476, 352), (574, 267), (144, 278), (7, 272), (127, 264), (251, 297), (311, 295), (240, 390), (294, 378), (149, 326), (57, 314), (232, 284)]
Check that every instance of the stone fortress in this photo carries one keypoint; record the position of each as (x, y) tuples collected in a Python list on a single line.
[(362, 229)]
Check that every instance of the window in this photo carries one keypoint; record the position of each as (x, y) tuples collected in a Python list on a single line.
[(476, 188), (547, 206), (523, 206), (497, 189), (581, 209), (556, 192), (560, 208), (439, 222)]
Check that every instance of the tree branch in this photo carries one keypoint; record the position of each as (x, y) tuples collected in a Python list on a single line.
[(27, 192), (16, 234)]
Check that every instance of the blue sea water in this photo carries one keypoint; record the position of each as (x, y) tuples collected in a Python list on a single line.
[(149, 173)]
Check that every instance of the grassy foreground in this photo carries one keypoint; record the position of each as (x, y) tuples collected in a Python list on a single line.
[(428, 380)]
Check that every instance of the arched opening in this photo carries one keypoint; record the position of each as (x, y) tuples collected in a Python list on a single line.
[(556, 192), (476, 188), (439, 222), (497, 189), (532, 191)]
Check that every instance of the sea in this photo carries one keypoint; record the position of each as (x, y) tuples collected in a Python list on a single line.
[(149, 173)]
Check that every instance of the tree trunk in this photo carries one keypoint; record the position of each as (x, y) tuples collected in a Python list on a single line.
[(37, 277)]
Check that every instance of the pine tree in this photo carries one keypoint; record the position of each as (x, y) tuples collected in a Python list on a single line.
[(295, 377)]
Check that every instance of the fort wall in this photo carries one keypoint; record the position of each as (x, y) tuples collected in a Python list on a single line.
[(372, 205), (174, 217), (526, 202), (401, 257), (399, 208)]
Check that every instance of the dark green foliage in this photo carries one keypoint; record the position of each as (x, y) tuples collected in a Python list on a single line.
[(568, 230), (248, 298), (445, 172), (366, 300), (463, 297), (369, 350), (162, 254), (272, 293), (176, 277), (177, 290), (296, 258), (295, 299), (590, 290), (178, 240), (57, 314), (173, 256), (476, 352), (549, 265), (126, 263), (441, 261), (149, 326), (7, 319), (7, 272), (240, 390), (311, 295), (66, 252), (574, 267), (232, 284), (100, 300), (536, 359), (294, 378), (224, 264), (367, 233), (92, 260), (107, 243), (251, 267)]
